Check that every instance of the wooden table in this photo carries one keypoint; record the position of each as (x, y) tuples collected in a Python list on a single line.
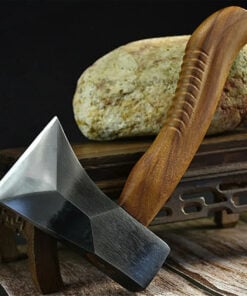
[(205, 259)]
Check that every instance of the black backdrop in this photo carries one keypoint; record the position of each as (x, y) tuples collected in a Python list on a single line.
[(45, 46)]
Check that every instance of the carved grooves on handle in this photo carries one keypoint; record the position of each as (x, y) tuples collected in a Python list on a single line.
[(189, 85)]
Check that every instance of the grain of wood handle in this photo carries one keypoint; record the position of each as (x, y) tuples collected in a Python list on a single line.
[(209, 55)]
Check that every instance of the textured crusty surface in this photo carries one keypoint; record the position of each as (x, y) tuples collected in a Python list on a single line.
[(128, 91)]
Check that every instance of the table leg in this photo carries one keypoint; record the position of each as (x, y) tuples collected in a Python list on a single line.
[(43, 260)]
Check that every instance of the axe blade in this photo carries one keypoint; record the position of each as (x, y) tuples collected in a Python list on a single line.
[(49, 187)]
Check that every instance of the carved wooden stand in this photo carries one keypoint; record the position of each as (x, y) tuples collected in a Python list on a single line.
[(214, 185)]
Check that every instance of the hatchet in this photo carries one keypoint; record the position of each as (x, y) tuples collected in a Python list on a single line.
[(49, 187)]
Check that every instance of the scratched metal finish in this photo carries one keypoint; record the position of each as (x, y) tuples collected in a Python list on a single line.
[(49, 187)]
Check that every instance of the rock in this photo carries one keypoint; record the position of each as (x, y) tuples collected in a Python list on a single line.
[(128, 91)]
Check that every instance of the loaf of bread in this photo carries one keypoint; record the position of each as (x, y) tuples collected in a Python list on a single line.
[(128, 91)]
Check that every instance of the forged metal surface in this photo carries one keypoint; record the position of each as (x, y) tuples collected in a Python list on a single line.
[(49, 187)]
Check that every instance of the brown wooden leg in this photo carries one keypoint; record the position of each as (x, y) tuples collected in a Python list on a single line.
[(226, 220), (8, 248), (43, 260)]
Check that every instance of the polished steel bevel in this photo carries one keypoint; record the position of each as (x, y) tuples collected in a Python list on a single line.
[(49, 187)]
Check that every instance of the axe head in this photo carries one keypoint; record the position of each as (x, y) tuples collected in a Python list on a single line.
[(48, 187)]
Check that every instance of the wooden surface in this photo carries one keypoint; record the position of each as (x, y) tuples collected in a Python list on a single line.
[(204, 260)]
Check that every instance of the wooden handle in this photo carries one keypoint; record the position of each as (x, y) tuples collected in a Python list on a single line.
[(209, 55)]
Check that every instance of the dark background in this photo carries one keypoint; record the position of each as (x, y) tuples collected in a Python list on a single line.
[(46, 45)]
